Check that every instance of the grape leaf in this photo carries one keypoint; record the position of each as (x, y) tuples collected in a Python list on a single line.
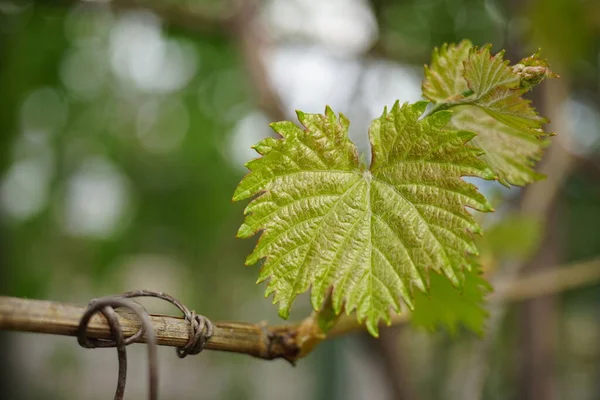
[(449, 306), (444, 81), (514, 237), (514, 154), (488, 93), (372, 234), (485, 73)]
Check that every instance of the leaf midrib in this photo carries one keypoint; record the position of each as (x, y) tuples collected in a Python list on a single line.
[(317, 230), (418, 213)]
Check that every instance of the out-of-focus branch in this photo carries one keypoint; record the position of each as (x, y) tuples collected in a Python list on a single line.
[(558, 161), (550, 281), (253, 42)]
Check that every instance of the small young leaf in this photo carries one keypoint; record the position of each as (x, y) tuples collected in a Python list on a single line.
[(485, 73), (444, 79), (488, 94), (370, 234)]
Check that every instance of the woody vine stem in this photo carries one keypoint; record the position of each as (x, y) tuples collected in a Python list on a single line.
[(290, 342)]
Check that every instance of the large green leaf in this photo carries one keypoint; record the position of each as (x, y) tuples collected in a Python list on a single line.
[(489, 94), (372, 234)]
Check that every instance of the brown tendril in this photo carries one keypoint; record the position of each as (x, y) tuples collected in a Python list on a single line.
[(201, 330)]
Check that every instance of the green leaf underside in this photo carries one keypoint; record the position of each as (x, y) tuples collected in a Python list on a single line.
[(451, 307), (370, 234), (486, 88), (516, 155)]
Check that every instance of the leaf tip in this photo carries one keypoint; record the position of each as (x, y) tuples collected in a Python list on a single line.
[(419, 107), (244, 232), (344, 121), (284, 310), (301, 115), (489, 175), (251, 259), (488, 207), (372, 327), (239, 195)]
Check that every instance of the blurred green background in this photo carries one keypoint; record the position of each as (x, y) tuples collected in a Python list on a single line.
[(124, 128)]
